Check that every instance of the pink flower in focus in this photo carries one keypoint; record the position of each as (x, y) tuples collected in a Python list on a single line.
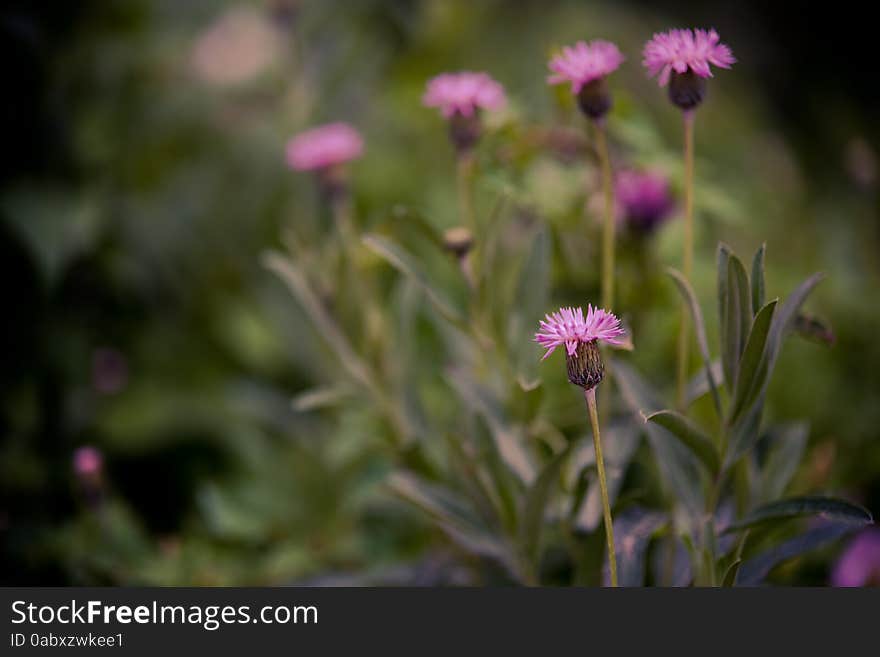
[(87, 461), (569, 327), (463, 93), (323, 147), (584, 62), (643, 199), (683, 50)]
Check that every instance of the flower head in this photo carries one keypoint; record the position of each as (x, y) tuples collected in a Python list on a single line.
[(686, 50), (643, 199), (584, 62), (87, 461), (463, 93), (859, 565), (569, 327), (323, 147)]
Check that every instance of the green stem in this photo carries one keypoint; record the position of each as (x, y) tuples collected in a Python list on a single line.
[(688, 257), (464, 171), (608, 219), (590, 396)]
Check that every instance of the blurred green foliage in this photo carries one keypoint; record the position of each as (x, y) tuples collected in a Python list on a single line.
[(239, 450)]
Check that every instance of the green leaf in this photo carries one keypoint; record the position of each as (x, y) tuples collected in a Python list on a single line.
[(699, 383), (783, 456), (532, 292), (535, 504), (736, 319), (690, 300), (758, 279), (723, 260), (754, 364), (827, 508), (754, 570), (506, 436), (451, 514), (323, 321), (678, 466), (692, 436), (398, 258), (731, 573)]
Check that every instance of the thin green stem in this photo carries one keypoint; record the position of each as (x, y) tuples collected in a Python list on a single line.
[(464, 171), (590, 396), (687, 259), (608, 218)]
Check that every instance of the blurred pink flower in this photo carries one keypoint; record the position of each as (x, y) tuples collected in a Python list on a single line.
[(584, 62), (859, 565), (569, 327), (643, 199), (87, 461), (237, 47), (463, 93), (682, 50), (323, 147)]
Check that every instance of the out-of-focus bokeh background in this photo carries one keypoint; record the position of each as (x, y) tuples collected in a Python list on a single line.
[(143, 178)]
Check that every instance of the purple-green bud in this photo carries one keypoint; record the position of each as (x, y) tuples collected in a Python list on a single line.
[(464, 131), (687, 90), (594, 98), (585, 366)]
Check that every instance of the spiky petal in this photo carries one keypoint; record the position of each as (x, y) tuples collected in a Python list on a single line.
[(569, 327), (681, 50)]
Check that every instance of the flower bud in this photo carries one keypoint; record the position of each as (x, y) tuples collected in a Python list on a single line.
[(585, 366), (464, 131), (594, 98), (458, 241), (687, 90)]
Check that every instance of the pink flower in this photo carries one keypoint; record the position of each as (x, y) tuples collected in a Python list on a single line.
[(568, 327), (859, 565), (463, 93), (643, 199), (584, 62), (681, 50), (324, 146), (87, 461)]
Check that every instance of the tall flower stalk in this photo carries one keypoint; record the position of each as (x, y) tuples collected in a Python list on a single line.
[(682, 60), (461, 97), (586, 66), (580, 335)]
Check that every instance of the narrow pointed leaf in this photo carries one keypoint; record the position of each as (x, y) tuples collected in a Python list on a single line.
[(731, 573), (532, 519), (737, 318), (690, 435), (754, 364), (506, 436), (451, 515), (758, 279), (690, 299), (398, 258), (323, 321), (723, 259), (699, 383), (754, 570), (532, 293), (678, 466), (783, 456), (827, 508)]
